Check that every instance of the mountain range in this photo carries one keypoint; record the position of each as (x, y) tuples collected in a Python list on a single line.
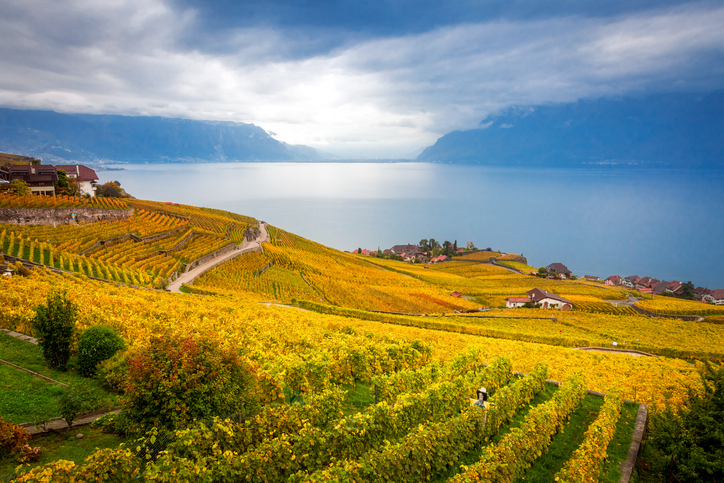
[(666, 130), (57, 137), (674, 130)]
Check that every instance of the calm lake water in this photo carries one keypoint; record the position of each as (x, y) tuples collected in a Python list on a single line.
[(667, 224)]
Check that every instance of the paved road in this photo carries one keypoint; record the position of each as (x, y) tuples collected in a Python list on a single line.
[(246, 247)]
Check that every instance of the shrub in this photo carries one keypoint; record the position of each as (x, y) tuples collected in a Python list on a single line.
[(113, 372), (54, 325), (689, 441), (70, 405), (97, 344), (19, 268), (12, 437), (177, 379)]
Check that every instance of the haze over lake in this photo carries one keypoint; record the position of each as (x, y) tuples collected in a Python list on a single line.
[(597, 221)]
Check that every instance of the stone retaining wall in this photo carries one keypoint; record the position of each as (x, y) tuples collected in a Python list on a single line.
[(59, 216), (211, 256)]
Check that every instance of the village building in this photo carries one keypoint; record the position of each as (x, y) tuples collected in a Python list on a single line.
[(715, 297), (675, 287), (40, 177), (614, 280), (85, 176), (540, 298), (558, 269), (548, 300), (660, 287), (516, 302), (401, 250)]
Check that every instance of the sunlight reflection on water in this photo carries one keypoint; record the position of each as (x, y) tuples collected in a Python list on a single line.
[(599, 221)]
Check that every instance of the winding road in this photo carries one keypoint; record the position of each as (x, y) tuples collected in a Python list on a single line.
[(246, 247)]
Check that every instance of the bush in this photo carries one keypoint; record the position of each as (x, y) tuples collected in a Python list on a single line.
[(177, 379), (113, 372), (19, 268), (54, 325), (689, 442), (12, 437), (97, 344), (113, 423)]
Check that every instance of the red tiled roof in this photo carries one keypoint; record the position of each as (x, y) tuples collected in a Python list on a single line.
[(518, 299), (718, 293), (537, 294), (82, 173)]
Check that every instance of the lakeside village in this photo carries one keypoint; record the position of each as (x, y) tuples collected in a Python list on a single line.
[(26, 175), (430, 251)]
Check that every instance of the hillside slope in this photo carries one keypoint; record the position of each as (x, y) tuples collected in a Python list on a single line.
[(676, 130), (86, 137)]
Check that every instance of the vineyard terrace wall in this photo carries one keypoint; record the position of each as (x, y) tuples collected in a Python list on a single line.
[(59, 216)]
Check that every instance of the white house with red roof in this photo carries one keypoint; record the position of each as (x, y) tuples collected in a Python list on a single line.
[(716, 297), (549, 300), (516, 302), (86, 177), (540, 298)]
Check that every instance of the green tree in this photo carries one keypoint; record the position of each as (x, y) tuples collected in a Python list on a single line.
[(66, 186), (54, 325), (178, 378), (690, 441), (20, 188), (424, 246), (110, 189), (688, 291), (96, 344)]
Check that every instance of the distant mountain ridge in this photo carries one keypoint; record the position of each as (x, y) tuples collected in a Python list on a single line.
[(89, 137), (674, 130)]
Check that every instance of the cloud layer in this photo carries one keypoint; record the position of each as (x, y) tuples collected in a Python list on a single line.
[(354, 93)]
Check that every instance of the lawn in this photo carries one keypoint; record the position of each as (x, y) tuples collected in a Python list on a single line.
[(56, 446), (25, 398)]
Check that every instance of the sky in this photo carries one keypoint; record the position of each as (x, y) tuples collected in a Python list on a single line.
[(352, 78)]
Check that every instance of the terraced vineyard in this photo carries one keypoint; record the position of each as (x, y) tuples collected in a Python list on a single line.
[(146, 249), (418, 370)]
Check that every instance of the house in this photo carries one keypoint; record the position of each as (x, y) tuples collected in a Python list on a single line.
[(441, 258), (86, 177), (413, 256), (367, 252), (660, 287), (548, 300), (40, 177), (614, 280), (644, 282), (516, 302), (717, 296), (386, 252), (699, 292), (558, 269), (401, 250), (675, 287), (456, 294)]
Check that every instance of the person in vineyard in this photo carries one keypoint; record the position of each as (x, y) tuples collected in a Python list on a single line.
[(482, 400)]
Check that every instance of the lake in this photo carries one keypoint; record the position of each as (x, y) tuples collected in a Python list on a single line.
[(667, 224)]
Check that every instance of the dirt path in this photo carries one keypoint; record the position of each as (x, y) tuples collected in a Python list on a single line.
[(246, 247)]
